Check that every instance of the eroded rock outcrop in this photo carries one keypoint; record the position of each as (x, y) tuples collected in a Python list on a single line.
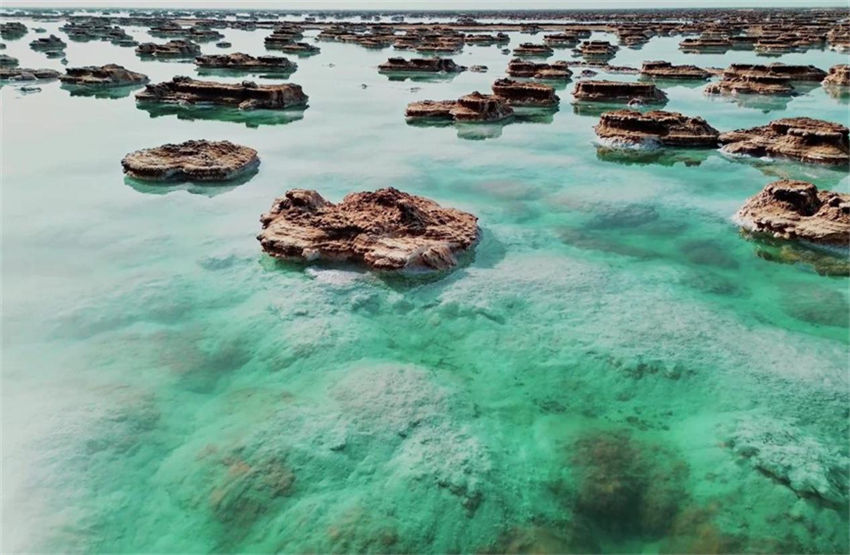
[(245, 96), (630, 127), (556, 71), (798, 210), (191, 161), (531, 50), (110, 75), (245, 62), (48, 43), (8, 61), (384, 230), (473, 107), (170, 49), (838, 78), (420, 65), (27, 74), (804, 139), (618, 91), (666, 70), (523, 93), (598, 50)]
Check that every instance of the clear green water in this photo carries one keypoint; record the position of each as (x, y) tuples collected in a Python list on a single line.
[(616, 370)]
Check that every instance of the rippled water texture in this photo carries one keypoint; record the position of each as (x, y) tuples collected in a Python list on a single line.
[(617, 369)]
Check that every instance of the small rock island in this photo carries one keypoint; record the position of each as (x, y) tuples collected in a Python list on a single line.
[(618, 91), (191, 161), (245, 96), (110, 75), (630, 127), (789, 209), (383, 230), (807, 140)]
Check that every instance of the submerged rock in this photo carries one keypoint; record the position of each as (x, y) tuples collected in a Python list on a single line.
[(618, 91), (245, 96), (420, 65), (12, 30), (191, 161), (804, 139), (666, 70), (171, 49), (385, 230), (240, 61), (8, 61), (797, 210), (474, 107), (110, 75), (656, 127), (522, 93)]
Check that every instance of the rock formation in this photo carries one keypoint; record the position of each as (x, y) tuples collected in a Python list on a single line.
[(657, 127), (191, 161), (838, 79), (797, 210), (617, 91), (110, 75), (804, 139), (245, 62), (528, 49), (556, 71), (245, 96), (522, 93), (8, 61), (474, 107), (49, 43), (773, 79), (26, 74), (385, 230), (598, 50), (666, 70), (12, 30), (171, 49), (420, 65)]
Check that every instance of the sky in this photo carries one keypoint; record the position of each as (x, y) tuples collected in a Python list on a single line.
[(420, 4)]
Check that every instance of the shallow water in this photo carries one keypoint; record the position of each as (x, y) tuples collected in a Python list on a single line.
[(616, 368)]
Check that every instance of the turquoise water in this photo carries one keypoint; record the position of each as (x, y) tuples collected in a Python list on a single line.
[(617, 369)]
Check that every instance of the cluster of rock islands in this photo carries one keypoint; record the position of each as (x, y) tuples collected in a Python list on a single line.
[(391, 230)]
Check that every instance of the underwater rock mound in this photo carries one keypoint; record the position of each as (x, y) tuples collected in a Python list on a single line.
[(474, 107), (618, 91), (191, 161), (420, 65), (241, 61), (666, 70), (804, 139), (656, 127), (110, 75), (520, 93), (385, 230), (797, 210), (245, 96), (171, 49)]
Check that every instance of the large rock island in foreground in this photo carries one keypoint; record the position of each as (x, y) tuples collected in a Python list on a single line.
[(630, 127), (191, 161), (246, 95), (385, 230), (110, 75), (797, 210), (804, 139)]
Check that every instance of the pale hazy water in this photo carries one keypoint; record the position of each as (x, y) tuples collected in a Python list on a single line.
[(616, 369)]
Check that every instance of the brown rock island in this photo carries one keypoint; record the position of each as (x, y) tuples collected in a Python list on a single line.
[(618, 91), (789, 209), (383, 230), (245, 96), (170, 49), (803, 139), (420, 65), (665, 70), (630, 127), (191, 161), (526, 94), (110, 75), (245, 62), (473, 107)]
